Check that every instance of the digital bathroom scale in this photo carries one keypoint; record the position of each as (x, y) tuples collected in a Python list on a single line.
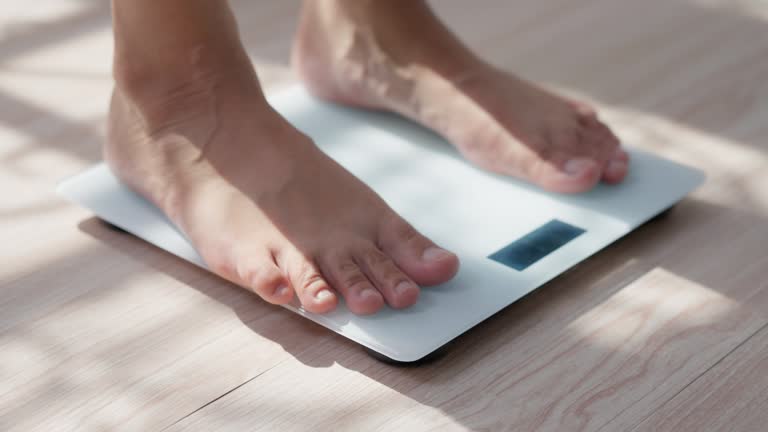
[(511, 237)]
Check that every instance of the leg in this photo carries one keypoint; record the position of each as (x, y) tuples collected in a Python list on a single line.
[(396, 55), (190, 130)]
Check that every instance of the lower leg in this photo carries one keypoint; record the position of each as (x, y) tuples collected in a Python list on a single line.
[(172, 59), (398, 56)]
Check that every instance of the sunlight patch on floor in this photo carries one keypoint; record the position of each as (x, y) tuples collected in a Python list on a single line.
[(654, 306), (15, 18), (751, 8), (65, 84)]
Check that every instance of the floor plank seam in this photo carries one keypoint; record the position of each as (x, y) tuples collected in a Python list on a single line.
[(193, 412), (698, 377)]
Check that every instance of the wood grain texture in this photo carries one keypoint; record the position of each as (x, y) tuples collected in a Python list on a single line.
[(608, 367), (731, 396), (662, 331)]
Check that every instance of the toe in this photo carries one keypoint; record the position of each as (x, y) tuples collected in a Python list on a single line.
[(572, 176), (616, 159), (617, 167), (306, 279), (585, 111), (398, 289), (417, 256), (361, 297), (615, 171), (582, 157), (264, 278), (254, 269)]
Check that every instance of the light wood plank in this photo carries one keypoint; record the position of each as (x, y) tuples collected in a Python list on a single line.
[(630, 353), (731, 396), (131, 337)]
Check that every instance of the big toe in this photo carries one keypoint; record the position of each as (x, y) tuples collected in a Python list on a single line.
[(617, 167), (581, 157), (573, 176), (417, 256)]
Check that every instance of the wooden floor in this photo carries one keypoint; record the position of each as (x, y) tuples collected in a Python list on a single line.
[(664, 331)]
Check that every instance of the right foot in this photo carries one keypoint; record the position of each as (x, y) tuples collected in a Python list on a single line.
[(263, 206)]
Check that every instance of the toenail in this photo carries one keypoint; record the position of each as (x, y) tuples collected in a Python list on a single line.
[(368, 292), (282, 291), (435, 254), (404, 287), (323, 295), (576, 167)]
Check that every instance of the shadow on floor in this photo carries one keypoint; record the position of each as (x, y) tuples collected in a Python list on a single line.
[(678, 242)]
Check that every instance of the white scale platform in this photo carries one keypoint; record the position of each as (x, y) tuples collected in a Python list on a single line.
[(471, 212)]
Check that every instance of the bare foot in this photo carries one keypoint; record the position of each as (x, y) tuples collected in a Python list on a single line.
[(263, 206), (396, 55)]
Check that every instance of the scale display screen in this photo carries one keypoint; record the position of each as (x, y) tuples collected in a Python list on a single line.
[(537, 244)]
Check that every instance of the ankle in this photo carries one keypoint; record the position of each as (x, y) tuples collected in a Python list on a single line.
[(382, 34), (162, 46), (189, 70)]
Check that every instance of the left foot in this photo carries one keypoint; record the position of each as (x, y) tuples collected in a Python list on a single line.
[(400, 57)]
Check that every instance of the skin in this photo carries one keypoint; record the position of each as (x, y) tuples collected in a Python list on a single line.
[(190, 129)]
